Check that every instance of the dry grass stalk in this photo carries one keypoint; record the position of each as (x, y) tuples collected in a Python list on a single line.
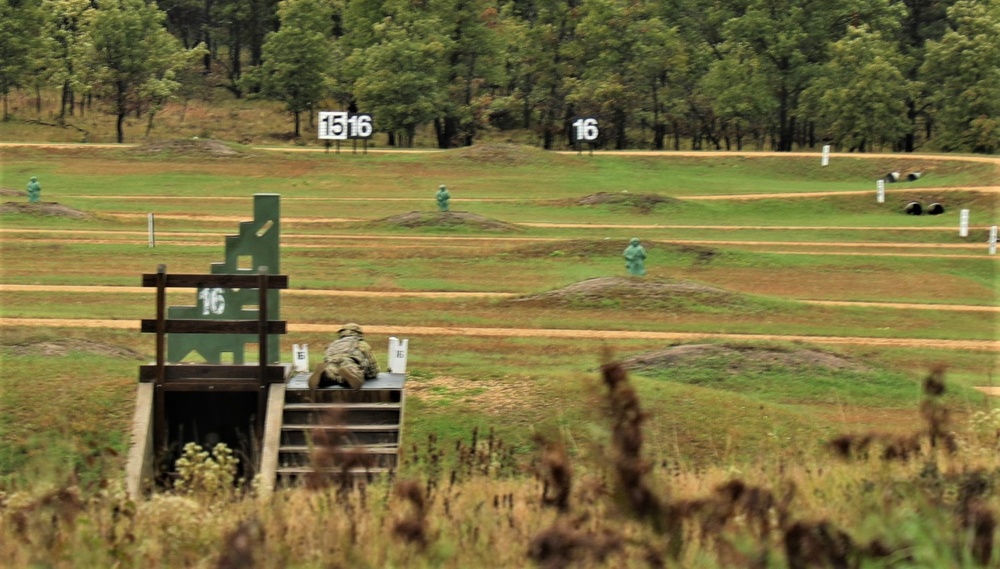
[(238, 548), (413, 527), (331, 457), (556, 474)]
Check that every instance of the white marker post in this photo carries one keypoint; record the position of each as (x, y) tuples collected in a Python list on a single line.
[(880, 191), (963, 223), (397, 355), (993, 240), (300, 357), (826, 155), (152, 232)]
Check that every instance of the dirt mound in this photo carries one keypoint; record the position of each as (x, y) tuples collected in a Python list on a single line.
[(586, 248), (740, 357), (572, 248), (189, 147), (12, 192), (641, 202), (59, 348), (42, 209), (447, 220), (613, 292)]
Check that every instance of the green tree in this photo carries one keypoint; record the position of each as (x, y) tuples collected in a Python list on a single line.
[(790, 40), (738, 92), (921, 21), (860, 96), (544, 63), (297, 57), (626, 59), (398, 84), (964, 66), (20, 24), (470, 66), (65, 35), (131, 56)]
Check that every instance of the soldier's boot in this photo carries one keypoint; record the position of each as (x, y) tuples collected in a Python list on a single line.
[(317, 377), (351, 374)]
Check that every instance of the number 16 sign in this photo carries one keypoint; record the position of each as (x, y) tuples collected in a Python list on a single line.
[(341, 125)]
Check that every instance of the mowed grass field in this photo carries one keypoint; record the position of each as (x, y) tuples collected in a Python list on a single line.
[(770, 246)]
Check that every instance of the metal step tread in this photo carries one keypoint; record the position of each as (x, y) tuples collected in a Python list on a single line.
[(331, 470), (348, 428), (340, 405), (366, 449)]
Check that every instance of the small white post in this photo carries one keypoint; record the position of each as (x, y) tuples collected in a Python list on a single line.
[(397, 355), (826, 155), (880, 191), (963, 223), (152, 232), (993, 240), (300, 357)]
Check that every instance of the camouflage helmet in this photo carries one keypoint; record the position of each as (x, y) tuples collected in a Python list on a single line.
[(350, 329), (634, 241)]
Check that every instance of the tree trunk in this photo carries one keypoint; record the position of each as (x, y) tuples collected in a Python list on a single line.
[(296, 124), (120, 127), (786, 125), (149, 123), (621, 136), (38, 98), (206, 24)]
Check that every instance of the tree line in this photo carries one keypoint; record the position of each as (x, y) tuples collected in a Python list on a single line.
[(721, 74)]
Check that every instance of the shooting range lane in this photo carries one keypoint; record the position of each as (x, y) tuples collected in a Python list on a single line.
[(973, 345), (114, 290)]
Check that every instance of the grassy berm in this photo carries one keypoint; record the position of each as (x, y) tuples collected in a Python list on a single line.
[(918, 499)]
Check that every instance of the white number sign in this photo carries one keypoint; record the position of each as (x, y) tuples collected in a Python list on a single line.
[(333, 125), (341, 125), (213, 300), (585, 129), (360, 126)]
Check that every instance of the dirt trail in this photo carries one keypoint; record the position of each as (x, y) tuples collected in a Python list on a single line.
[(451, 238), (97, 289), (975, 345), (324, 220)]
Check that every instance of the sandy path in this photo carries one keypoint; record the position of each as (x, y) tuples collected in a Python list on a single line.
[(97, 289), (324, 220), (694, 197), (287, 238), (975, 345), (650, 153)]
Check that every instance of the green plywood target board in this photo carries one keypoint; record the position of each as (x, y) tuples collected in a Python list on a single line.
[(257, 245)]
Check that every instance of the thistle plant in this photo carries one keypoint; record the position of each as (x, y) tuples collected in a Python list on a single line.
[(210, 475)]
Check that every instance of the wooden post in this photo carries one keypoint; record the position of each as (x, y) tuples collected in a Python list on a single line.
[(262, 348), (160, 396)]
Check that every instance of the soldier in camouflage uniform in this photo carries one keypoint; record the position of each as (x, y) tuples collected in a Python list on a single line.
[(348, 361)]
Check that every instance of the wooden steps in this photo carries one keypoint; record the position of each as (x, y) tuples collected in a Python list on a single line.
[(335, 431)]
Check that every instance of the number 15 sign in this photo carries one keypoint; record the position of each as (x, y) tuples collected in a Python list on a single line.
[(341, 125)]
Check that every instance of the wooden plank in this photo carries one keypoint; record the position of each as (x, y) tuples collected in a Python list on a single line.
[(331, 470), (276, 373), (179, 326), (225, 385), (178, 280), (341, 406), (139, 468), (346, 428), (272, 440), (387, 450)]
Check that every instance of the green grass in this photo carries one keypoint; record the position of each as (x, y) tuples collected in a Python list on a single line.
[(551, 382)]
